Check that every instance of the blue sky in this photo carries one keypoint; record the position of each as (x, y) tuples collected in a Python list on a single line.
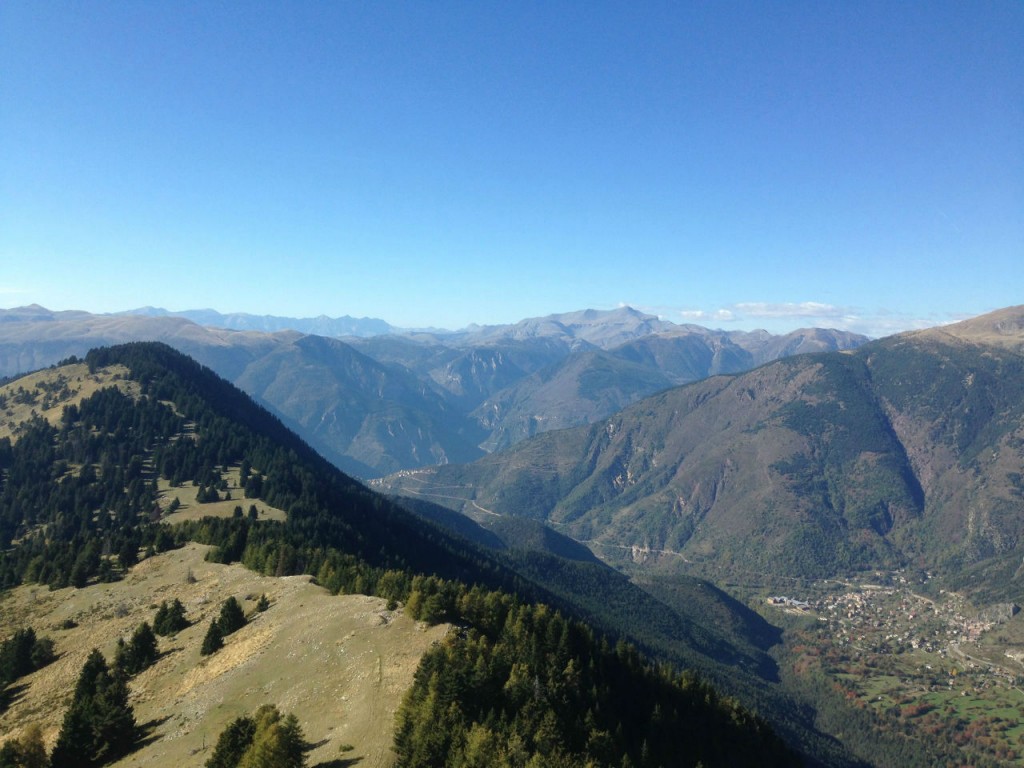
[(774, 164)]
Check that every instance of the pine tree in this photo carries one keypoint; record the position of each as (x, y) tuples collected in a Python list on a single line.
[(42, 652), (170, 618), (113, 722), (265, 740), (10, 755), (293, 742), (138, 653), (95, 666), (144, 645), (29, 751), (99, 726), (232, 743), (232, 617), (128, 554), (213, 641), (123, 663), (16, 655), (33, 748)]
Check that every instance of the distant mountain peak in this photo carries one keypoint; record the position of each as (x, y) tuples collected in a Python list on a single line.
[(603, 328)]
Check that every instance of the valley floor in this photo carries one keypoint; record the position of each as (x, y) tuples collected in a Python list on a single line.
[(932, 668)]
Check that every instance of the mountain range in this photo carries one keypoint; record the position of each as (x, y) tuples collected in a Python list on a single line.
[(382, 403), (136, 450), (243, 321), (905, 452), (689, 459)]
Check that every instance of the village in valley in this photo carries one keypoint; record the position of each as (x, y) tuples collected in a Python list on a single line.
[(894, 619), (914, 659)]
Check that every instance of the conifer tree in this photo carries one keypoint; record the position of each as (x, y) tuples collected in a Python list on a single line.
[(265, 740), (232, 617), (16, 655), (113, 721), (213, 641), (138, 653), (99, 726), (170, 618), (232, 743), (28, 751), (33, 748), (10, 755)]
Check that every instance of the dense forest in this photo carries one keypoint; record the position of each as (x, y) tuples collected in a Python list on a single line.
[(522, 685), (79, 503)]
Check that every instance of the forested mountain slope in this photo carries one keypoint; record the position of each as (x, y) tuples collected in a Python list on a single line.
[(82, 501), (907, 451)]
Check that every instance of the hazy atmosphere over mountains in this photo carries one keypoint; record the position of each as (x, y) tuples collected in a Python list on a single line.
[(378, 404), (500, 385)]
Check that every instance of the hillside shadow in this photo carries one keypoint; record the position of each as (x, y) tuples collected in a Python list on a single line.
[(168, 652), (10, 696), (341, 762), (147, 733)]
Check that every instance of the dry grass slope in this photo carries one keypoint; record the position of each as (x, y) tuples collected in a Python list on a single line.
[(1002, 328), (68, 386), (341, 664)]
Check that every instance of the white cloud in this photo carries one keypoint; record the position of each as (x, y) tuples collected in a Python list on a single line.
[(782, 317), (791, 309), (700, 315), (760, 310)]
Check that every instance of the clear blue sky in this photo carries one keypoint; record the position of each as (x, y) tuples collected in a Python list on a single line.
[(740, 165)]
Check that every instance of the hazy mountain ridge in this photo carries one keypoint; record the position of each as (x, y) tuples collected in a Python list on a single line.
[(601, 328), (242, 321), (591, 383), (906, 451), (382, 403), (384, 413)]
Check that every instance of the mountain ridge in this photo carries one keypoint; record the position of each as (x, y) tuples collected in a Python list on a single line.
[(1002, 328), (244, 321), (906, 450), (378, 404)]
